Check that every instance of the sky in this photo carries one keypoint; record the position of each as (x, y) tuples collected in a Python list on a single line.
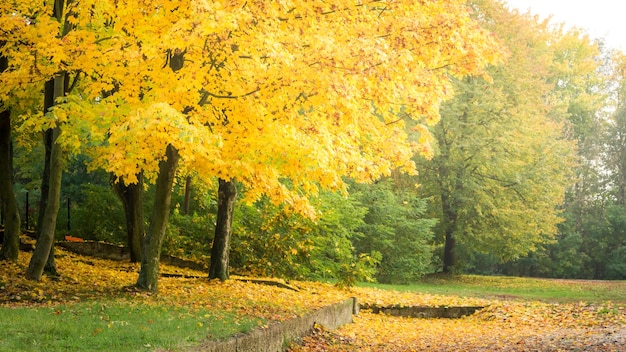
[(600, 18)]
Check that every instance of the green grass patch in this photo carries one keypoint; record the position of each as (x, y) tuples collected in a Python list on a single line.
[(504, 287), (113, 326)]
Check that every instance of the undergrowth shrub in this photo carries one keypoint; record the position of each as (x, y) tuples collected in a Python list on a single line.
[(395, 226), (269, 240), (189, 236), (98, 216)]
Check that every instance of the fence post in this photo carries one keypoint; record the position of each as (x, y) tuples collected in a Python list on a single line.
[(27, 209), (68, 215)]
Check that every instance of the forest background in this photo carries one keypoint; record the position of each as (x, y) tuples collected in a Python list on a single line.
[(470, 138)]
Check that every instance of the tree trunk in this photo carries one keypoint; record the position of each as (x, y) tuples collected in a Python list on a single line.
[(45, 240), (151, 253), (449, 253), (132, 200), (48, 102), (187, 196), (449, 219), (226, 194), (11, 242), (48, 141), (45, 178)]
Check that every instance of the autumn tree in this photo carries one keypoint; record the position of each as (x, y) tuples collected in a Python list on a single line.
[(501, 166), (45, 42), (341, 121), (56, 91), (586, 78), (8, 202), (284, 98), (615, 156), (18, 31)]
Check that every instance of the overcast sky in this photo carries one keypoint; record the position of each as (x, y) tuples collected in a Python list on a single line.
[(600, 18)]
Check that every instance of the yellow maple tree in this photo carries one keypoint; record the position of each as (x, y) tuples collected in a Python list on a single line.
[(266, 91), (284, 96)]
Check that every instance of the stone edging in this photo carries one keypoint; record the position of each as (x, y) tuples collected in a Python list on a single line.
[(277, 336)]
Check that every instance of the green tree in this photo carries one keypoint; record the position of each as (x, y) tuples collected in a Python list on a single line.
[(501, 165), (394, 226), (615, 134)]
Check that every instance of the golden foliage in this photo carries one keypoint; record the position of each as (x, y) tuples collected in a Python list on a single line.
[(253, 90)]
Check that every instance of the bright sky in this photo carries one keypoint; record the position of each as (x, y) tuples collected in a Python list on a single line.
[(600, 18)]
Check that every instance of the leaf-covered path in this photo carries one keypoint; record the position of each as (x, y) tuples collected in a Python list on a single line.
[(502, 326)]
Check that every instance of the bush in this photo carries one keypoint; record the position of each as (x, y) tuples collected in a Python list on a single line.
[(268, 240), (99, 216), (189, 236), (395, 227), (616, 265)]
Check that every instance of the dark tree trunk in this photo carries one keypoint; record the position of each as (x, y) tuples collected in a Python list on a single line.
[(48, 102), (43, 249), (187, 196), (132, 200), (45, 178), (151, 253), (48, 141), (449, 253), (450, 224), (226, 194), (449, 221), (11, 242)]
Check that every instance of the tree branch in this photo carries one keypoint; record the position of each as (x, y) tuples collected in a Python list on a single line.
[(207, 94)]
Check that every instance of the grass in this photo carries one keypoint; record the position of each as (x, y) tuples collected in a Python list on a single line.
[(504, 287), (113, 325), (91, 308)]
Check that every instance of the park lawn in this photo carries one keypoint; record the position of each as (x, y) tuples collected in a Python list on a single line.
[(119, 325), (93, 306), (514, 288)]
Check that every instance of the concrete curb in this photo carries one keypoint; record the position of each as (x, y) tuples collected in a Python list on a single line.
[(277, 336)]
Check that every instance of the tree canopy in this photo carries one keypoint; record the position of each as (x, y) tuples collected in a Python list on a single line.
[(503, 163), (286, 97)]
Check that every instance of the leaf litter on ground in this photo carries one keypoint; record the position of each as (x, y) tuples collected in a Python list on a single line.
[(505, 325)]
